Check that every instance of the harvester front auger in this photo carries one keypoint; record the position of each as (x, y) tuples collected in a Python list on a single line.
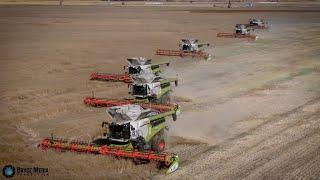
[(235, 35), (105, 102), (111, 77), (200, 54), (166, 160)]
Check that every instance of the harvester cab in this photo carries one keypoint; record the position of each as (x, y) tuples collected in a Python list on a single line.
[(136, 127), (241, 29), (153, 88), (192, 45), (142, 65)]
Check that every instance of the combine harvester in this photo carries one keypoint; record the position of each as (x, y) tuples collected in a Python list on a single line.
[(256, 23), (188, 48), (136, 66), (145, 88), (157, 91), (134, 127), (240, 31), (133, 132)]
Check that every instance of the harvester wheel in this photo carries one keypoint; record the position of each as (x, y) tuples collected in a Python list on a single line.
[(140, 144), (158, 142)]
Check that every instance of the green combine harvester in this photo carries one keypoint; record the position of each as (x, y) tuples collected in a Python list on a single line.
[(132, 131), (146, 86), (152, 89), (136, 66), (134, 127)]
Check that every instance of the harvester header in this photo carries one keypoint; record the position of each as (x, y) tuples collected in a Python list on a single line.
[(170, 161)]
